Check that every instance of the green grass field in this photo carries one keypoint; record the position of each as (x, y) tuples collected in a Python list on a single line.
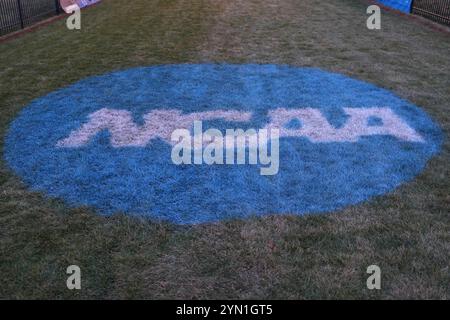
[(406, 233)]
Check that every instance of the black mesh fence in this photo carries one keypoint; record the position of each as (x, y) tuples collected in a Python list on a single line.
[(437, 10), (18, 14)]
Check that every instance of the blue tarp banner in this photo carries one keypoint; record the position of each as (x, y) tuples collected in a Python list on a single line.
[(402, 5)]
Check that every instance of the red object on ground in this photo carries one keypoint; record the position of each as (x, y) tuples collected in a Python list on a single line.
[(67, 4)]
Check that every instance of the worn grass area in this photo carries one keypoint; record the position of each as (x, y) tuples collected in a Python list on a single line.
[(406, 233)]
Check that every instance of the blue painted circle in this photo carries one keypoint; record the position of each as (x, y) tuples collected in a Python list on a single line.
[(312, 178)]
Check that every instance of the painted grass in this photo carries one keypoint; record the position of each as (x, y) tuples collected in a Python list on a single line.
[(406, 233)]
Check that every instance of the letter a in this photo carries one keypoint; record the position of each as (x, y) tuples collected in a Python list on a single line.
[(74, 20), (374, 21)]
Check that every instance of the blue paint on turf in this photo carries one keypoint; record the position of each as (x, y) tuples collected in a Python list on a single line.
[(375, 121), (294, 124), (313, 177)]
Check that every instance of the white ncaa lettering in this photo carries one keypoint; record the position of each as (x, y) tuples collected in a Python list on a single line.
[(316, 127), (161, 123), (157, 124)]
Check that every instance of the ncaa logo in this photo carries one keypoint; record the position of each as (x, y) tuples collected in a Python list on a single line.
[(107, 142)]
